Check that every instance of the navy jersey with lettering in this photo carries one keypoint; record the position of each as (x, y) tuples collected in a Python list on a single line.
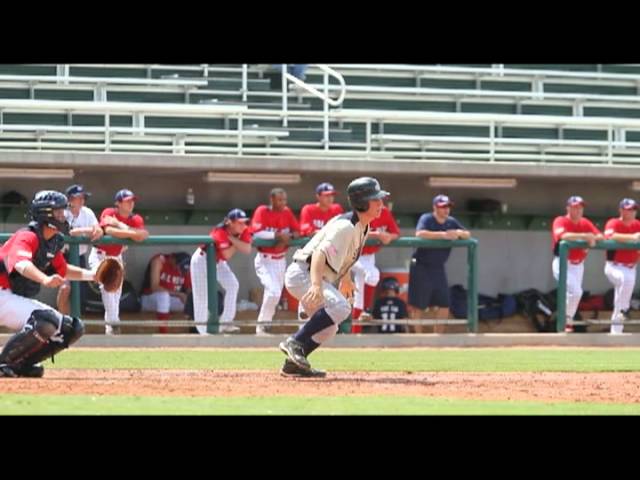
[(390, 308)]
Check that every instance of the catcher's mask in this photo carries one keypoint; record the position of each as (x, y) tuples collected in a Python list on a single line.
[(42, 210)]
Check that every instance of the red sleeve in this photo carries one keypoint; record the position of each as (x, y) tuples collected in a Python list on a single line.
[(258, 219), (106, 212), (610, 227), (392, 226), (558, 228), (136, 221), (221, 238), (246, 235), (59, 264), (293, 222), (337, 209), (24, 245), (305, 221), (187, 281)]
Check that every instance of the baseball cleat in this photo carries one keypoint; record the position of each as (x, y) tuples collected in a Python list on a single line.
[(7, 371), (30, 371), (293, 349), (228, 329), (290, 369)]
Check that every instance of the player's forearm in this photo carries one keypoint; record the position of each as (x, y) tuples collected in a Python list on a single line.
[(318, 261), (429, 235), (139, 235), (265, 235), (464, 234), (78, 274), (227, 253), (623, 237), (241, 246), (81, 231), (119, 232), (571, 236), (30, 271)]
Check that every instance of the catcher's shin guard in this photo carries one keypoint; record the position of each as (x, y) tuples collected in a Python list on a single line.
[(72, 329), (33, 338)]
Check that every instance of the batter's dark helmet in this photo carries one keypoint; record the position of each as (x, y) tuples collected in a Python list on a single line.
[(363, 189), (390, 283), (42, 206)]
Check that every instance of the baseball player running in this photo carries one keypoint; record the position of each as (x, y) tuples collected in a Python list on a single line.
[(314, 216), (326, 259), (620, 267), (366, 274), (230, 236), (274, 221), (82, 222), (41, 331), (119, 222), (166, 280), (573, 226)]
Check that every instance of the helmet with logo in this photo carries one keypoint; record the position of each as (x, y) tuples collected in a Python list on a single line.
[(363, 189)]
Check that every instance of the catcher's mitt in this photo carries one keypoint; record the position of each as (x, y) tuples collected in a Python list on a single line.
[(110, 274)]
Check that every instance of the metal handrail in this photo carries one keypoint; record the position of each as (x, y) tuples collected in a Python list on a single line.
[(322, 96), (563, 254)]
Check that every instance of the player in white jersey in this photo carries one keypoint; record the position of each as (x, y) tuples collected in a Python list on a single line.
[(230, 236), (82, 222), (326, 259)]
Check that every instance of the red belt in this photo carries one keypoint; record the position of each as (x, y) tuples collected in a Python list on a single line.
[(573, 262), (273, 257), (628, 265)]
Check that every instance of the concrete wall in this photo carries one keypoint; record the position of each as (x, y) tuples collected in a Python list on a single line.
[(158, 190)]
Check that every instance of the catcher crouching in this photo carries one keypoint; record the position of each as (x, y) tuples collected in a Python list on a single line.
[(32, 258)]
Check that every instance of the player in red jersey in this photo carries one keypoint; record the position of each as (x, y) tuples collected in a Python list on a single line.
[(274, 221), (573, 226), (118, 222), (314, 216)]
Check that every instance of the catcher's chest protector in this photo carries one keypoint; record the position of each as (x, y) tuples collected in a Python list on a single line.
[(41, 259)]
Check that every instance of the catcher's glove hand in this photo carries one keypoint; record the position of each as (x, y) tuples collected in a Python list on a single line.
[(110, 274)]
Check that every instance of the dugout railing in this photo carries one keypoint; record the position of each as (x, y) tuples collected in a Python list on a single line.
[(213, 321), (563, 252)]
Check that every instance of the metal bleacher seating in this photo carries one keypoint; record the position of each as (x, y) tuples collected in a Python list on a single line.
[(569, 114)]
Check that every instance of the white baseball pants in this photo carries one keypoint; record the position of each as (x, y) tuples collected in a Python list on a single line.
[(228, 281), (270, 271), (364, 272), (623, 280), (110, 300), (574, 285)]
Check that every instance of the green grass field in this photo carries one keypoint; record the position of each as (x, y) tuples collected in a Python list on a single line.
[(383, 360)]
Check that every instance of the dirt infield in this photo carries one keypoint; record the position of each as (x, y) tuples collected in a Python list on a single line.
[(547, 386)]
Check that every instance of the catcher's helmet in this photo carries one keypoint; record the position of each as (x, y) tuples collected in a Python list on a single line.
[(42, 206), (390, 283), (363, 189)]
